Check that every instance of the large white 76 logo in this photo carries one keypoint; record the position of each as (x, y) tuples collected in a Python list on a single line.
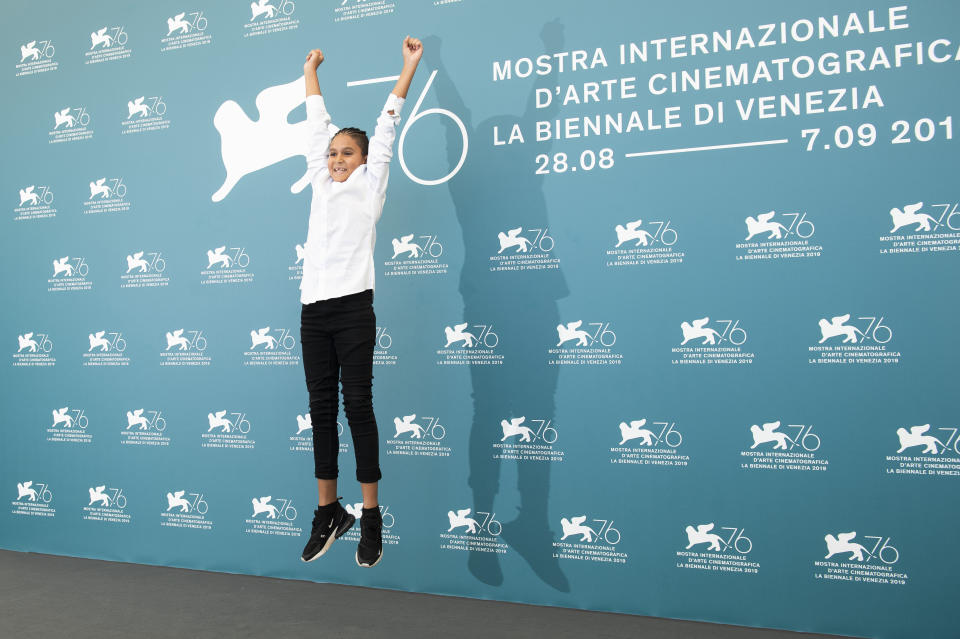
[(417, 114), (414, 116), (247, 146)]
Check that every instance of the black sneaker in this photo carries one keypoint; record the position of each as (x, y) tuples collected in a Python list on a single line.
[(370, 548), (329, 524)]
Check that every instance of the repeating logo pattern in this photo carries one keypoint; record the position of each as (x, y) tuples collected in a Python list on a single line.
[(69, 274), (185, 509), (519, 250), (417, 437), (272, 516), (227, 266), (926, 451), (876, 560), (227, 430), (107, 505), (107, 195), (791, 448), (361, 9), (589, 346), (107, 348), (470, 344), (107, 44), (642, 244), (185, 347), (848, 340), (185, 30), (783, 236), (415, 255), (144, 269), (34, 349), (271, 16), (34, 499), (706, 343), (471, 531), (69, 425), (37, 56), (271, 347), (144, 427), (594, 540), (915, 228), (36, 203), (145, 113), (658, 443), (728, 549), (524, 440), (70, 124)]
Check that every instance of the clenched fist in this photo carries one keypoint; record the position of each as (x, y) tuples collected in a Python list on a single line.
[(314, 58), (412, 50)]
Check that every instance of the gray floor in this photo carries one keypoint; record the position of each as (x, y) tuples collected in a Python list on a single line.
[(49, 596)]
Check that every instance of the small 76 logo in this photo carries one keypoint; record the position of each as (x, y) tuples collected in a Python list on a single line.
[(195, 503)]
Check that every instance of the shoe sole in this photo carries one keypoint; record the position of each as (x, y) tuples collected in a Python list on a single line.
[(347, 524), (357, 557)]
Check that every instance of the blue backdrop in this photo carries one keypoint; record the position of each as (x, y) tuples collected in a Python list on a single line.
[(663, 294)]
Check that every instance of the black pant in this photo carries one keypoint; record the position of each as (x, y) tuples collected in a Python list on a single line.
[(337, 337)]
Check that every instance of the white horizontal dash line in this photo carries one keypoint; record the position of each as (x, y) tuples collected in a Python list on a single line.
[(715, 147), (357, 83)]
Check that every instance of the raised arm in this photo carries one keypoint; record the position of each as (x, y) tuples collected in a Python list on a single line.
[(314, 58), (318, 120), (412, 50), (381, 144)]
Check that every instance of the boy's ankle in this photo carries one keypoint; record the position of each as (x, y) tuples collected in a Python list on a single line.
[(328, 507)]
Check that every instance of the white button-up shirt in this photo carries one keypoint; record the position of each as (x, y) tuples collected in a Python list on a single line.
[(338, 255)]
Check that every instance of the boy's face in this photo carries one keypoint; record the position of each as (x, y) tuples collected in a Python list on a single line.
[(345, 156)]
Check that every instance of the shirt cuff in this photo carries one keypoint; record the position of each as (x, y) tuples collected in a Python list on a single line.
[(316, 108), (394, 103)]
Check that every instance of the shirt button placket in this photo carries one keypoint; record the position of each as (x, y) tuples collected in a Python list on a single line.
[(324, 248)]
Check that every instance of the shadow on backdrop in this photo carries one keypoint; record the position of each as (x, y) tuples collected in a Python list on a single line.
[(496, 190)]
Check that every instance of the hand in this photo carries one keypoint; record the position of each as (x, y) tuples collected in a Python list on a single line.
[(314, 58), (412, 50)]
